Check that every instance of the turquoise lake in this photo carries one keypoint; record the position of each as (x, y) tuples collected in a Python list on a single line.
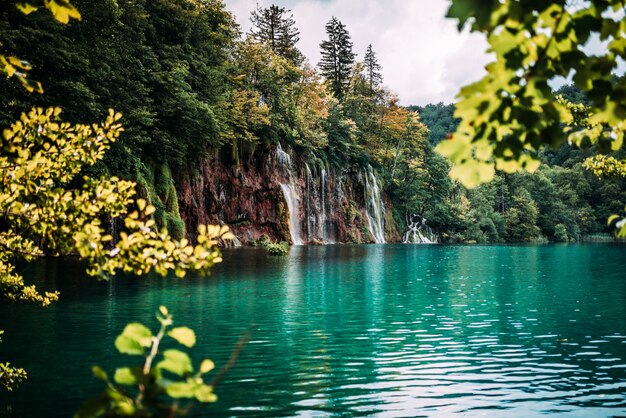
[(353, 330)]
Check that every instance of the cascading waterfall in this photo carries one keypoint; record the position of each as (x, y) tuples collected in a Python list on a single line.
[(374, 208), (310, 218), (418, 232), (317, 195), (283, 161), (294, 210), (319, 225)]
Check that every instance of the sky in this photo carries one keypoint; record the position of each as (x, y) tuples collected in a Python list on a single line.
[(424, 57)]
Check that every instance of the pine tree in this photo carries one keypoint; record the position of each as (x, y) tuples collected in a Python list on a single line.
[(372, 70), (275, 27), (337, 58)]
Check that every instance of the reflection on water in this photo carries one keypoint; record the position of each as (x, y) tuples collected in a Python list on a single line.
[(384, 330)]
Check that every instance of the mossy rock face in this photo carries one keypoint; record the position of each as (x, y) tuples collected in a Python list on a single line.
[(175, 226), (171, 200), (353, 239), (162, 180), (352, 214), (143, 187), (156, 184), (365, 233), (283, 218)]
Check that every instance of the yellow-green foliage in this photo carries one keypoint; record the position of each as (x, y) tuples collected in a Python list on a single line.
[(39, 157), (603, 166), (511, 113), (10, 376), (151, 389)]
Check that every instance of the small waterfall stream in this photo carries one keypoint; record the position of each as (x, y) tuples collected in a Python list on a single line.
[(283, 161), (374, 208), (294, 209), (320, 227), (418, 232)]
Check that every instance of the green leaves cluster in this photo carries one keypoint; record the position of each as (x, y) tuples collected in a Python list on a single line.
[(41, 156), (609, 167), (152, 389), (41, 208), (10, 376), (274, 248), (605, 166), (510, 114)]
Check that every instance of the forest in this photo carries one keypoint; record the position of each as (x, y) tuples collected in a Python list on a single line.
[(188, 84)]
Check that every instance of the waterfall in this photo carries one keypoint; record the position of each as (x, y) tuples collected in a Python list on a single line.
[(374, 208), (310, 217), (283, 160), (320, 227), (418, 232), (294, 212)]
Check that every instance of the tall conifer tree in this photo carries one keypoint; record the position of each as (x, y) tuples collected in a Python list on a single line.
[(275, 27), (372, 70), (337, 58)]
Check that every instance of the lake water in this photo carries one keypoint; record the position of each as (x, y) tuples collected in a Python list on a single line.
[(383, 330)]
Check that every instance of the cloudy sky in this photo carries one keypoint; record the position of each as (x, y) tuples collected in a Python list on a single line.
[(424, 58)]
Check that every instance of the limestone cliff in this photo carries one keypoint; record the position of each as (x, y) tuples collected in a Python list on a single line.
[(276, 193)]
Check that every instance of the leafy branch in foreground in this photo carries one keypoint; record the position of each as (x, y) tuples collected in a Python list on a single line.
[(148, 389), (40, 157), (511, 113), (607, 167), (10, 376), (41, 211)]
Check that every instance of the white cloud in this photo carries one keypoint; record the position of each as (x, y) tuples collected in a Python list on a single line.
[(424, 58)]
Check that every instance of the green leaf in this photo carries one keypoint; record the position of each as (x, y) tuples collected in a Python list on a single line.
[(62, 10), (176, 361), (184, 336), (127, 345), (473, 173), (181, 390), (99, 373), (204, 393), (206, 366), (124, 376), (26, 8), (138, 332)]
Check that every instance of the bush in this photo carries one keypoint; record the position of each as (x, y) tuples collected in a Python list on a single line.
[(560, 233), (273, 248)]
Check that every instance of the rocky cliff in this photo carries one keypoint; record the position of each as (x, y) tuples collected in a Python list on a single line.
[(276, 193)]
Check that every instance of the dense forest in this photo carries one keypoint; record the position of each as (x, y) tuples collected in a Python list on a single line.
[(191, 85)]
